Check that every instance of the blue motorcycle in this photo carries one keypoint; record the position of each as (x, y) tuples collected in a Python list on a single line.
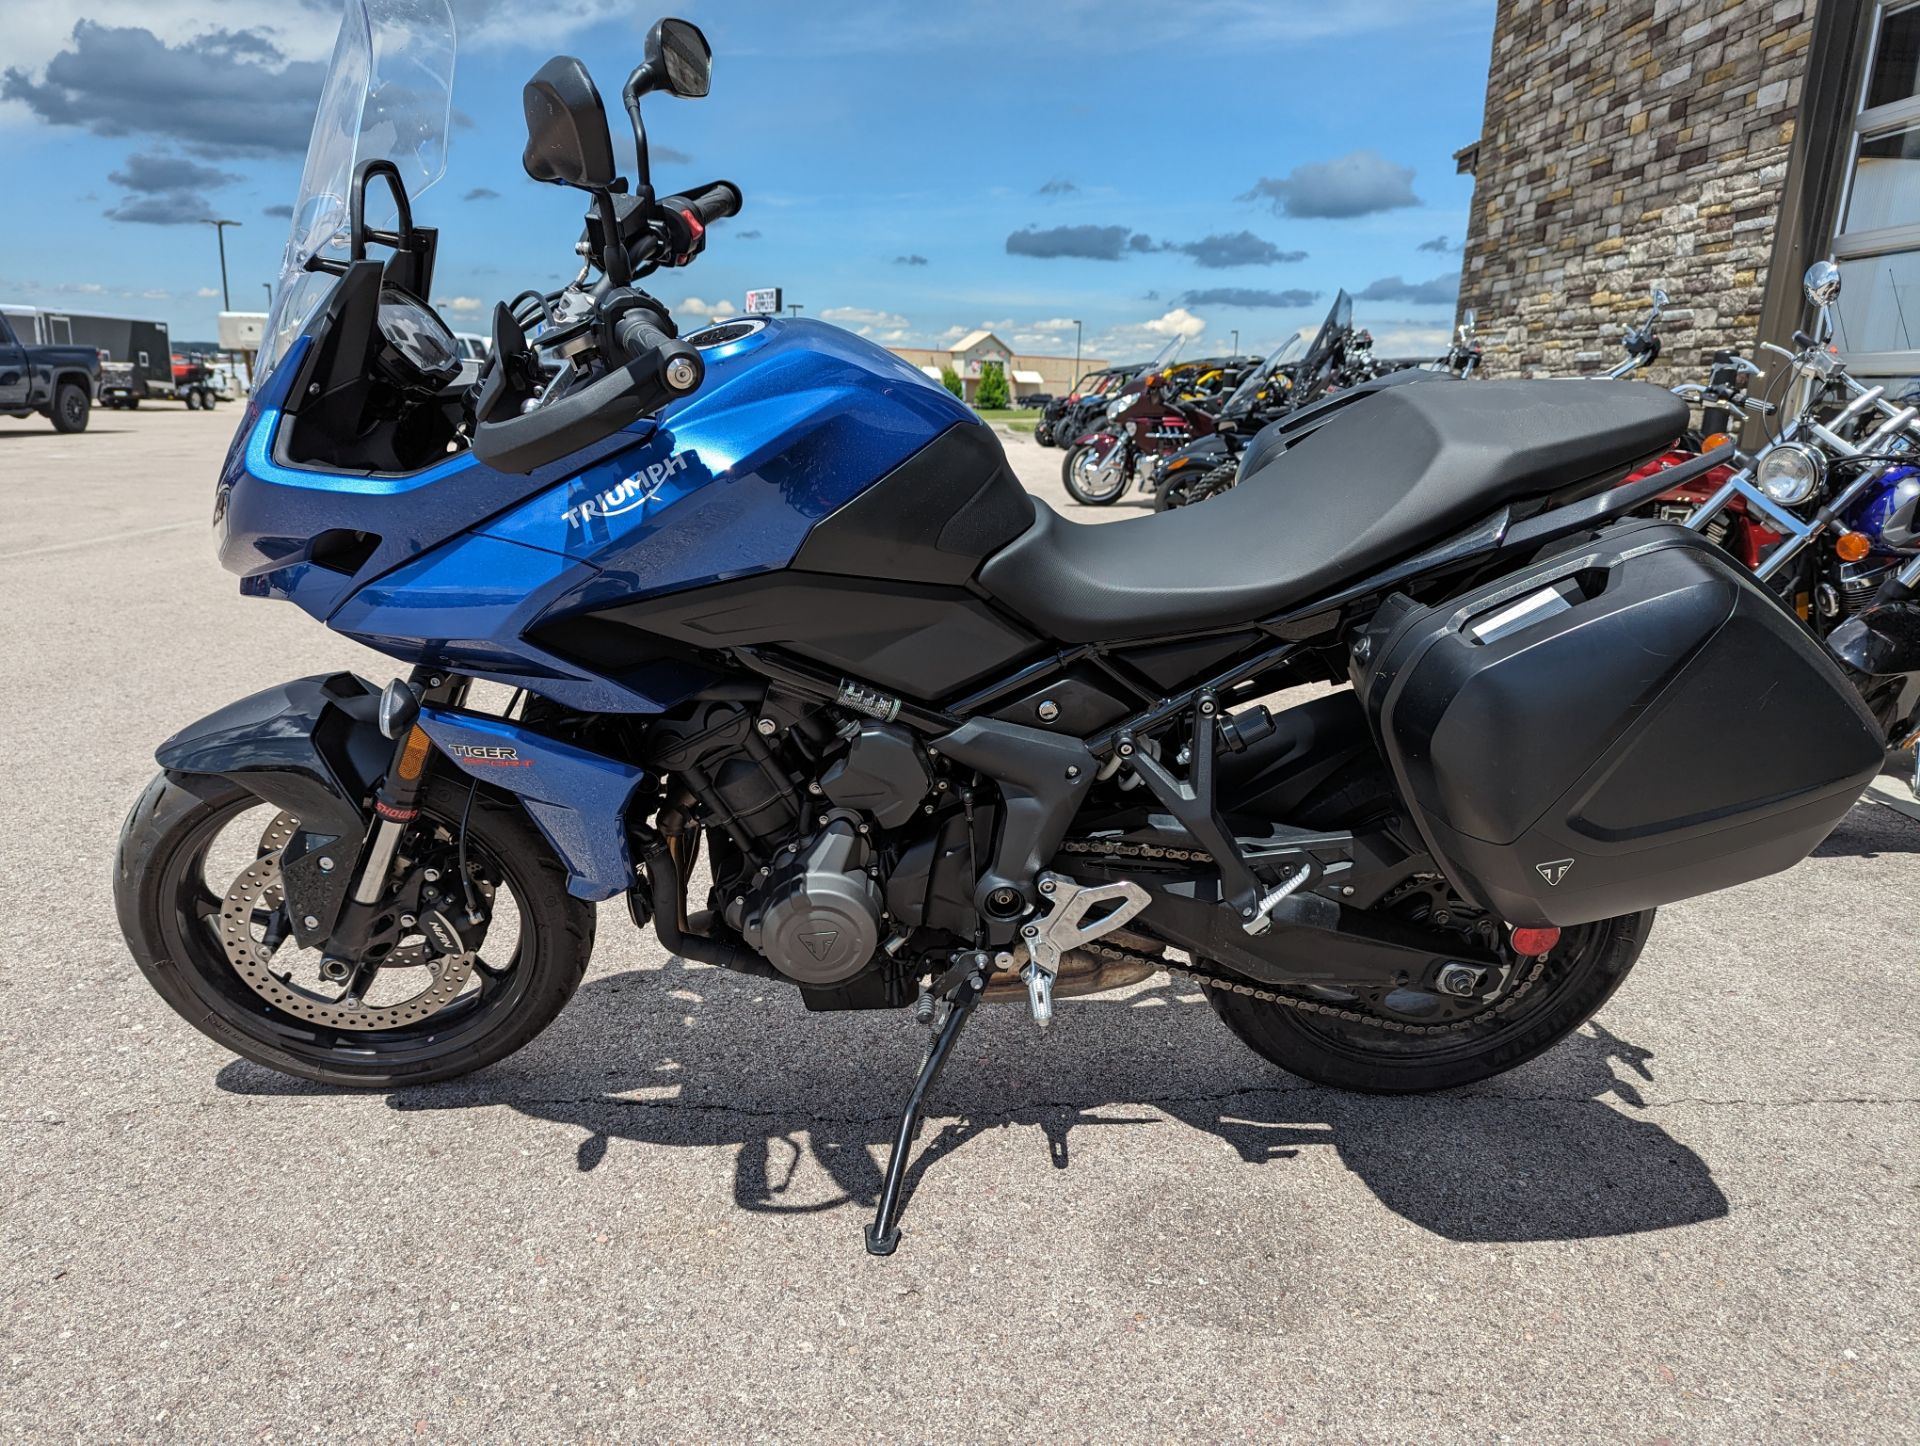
[(752, 628)]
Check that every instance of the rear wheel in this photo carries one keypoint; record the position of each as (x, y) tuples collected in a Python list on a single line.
[(1402, 1043), (197, 889), (1087, 483), (192, 399), (72, 405), (1408, 1041)]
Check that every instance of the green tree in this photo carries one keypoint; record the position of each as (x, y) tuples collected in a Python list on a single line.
[(992, 395), (950, 379)]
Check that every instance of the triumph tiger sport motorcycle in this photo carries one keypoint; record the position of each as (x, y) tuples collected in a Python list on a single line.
[(773, 607)]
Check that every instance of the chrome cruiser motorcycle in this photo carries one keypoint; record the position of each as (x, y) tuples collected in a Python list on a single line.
[(795, 669)]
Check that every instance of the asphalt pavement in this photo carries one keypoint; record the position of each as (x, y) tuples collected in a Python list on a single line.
[(1695, 1221)]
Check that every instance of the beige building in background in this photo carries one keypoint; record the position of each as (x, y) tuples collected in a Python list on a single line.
[(1026, 375)]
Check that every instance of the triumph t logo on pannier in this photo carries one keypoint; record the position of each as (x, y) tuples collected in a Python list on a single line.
[(1554, 872)]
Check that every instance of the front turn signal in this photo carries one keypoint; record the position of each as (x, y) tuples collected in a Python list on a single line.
[(1852, 546)]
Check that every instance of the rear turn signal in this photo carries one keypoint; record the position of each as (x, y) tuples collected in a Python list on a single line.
[(1531, 943), (1713, 442), (1852, 546)]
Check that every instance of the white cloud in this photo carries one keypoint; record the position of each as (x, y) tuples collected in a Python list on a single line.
[(1178, 322), (693, 306), (464, 304), (1405, 341), (1052, 323), (866, 321), (954, 333), (1143, 338), (206, 293)]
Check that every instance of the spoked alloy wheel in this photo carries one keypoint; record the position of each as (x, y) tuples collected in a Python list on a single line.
[(201, 901), (1405, 1041), (1090, 483)]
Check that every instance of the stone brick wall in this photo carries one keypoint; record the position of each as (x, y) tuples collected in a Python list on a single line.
[(1630, 144)]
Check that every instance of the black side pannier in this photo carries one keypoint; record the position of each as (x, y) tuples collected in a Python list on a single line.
[(1628, 723)]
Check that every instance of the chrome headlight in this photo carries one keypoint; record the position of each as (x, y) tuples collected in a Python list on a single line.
[(1791, 473), (1114, 409)]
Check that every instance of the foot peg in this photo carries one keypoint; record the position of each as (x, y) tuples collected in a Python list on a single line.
[(1066, 927)]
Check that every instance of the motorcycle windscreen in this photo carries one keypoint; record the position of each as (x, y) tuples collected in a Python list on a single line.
[(388, 96), (1625, 725)]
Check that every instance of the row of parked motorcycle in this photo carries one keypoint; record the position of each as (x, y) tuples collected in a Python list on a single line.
[(1178, 429), (1826, 509)]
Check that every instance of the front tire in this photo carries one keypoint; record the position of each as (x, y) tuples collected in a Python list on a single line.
[(72, 405), (162, 889), (1183, 488), (1078, 472)]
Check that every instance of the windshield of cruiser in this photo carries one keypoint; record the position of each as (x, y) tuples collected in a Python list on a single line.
[(388, 95)]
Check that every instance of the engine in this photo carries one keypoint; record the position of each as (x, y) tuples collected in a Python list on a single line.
[(832, 842), (816, 913)]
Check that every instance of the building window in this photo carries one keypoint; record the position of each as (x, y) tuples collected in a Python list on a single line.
[(1878, 237)]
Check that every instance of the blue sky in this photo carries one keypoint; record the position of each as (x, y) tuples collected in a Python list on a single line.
[(911, 170)]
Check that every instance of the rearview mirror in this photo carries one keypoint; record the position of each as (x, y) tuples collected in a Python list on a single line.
[(1822, 282), (567, 139), (679, 61)]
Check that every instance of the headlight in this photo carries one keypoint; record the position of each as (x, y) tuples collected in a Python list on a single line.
[(1114, 409), (1791, 473)]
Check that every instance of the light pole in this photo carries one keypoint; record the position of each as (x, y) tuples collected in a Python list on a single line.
[(1076, 352), (1235, 351), (269, 286), (220, 230), (794, 308)]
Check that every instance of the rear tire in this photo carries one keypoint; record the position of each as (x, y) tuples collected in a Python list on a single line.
[(1577, 977), (1317, 1048), (72, 405), (193, 401), (159, 867)]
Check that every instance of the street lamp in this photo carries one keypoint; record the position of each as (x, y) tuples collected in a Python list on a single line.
[(269, 286), (1235, 349), (794, 308), (220, 230), (1076, 352)]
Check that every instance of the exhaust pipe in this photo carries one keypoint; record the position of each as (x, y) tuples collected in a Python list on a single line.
[(1080, 973)]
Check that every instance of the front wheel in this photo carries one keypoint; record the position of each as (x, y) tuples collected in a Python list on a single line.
[(197, 889), (1091, 484), (1407, 1042), (1184, 488)]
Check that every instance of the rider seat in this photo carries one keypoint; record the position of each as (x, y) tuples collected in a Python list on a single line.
[(1387, 473)]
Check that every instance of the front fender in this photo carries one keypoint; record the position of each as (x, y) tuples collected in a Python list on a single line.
[(1096, 439), (1883, 641), (312, 747)]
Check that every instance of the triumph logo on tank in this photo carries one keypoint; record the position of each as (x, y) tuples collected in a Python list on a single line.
[(628, 493)]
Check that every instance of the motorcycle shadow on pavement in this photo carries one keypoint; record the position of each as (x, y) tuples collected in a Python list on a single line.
[(688, 1056)]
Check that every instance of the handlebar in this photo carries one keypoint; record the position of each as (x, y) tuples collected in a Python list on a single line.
[(709, 203)]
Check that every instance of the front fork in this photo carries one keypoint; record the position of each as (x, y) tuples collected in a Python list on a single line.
[(396, 803)]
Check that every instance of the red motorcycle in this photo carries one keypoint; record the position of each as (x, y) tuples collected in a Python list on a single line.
[(1736, 527), (1148, 418)]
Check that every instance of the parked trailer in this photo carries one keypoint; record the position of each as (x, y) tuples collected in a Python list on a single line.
[(141, 346)]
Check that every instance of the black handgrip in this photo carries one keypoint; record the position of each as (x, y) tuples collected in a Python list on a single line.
[(709, 203)]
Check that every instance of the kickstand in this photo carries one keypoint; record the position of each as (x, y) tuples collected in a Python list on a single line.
[(883, 1236)]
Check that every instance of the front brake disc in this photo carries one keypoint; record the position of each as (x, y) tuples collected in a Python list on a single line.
[(258, 891)]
